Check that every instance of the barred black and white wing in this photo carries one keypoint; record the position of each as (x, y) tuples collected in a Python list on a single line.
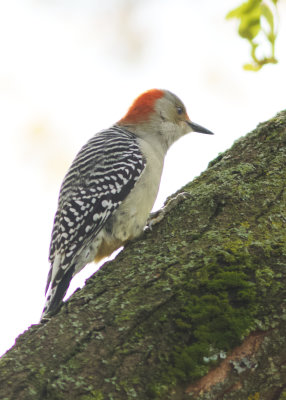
[(99, 179)]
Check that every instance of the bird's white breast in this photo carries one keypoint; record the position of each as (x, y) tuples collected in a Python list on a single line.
[(130, 218)]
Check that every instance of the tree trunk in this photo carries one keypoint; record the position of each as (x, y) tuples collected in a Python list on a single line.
[(194, 309)]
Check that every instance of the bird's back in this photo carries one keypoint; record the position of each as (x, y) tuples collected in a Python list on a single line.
[(102, 174)]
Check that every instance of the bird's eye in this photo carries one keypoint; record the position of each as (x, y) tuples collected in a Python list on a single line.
[(180, 110)]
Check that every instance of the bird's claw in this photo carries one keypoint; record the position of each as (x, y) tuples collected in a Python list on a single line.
[(172, 202)]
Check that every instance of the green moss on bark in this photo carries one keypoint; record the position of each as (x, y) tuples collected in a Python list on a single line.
[(173, 304)]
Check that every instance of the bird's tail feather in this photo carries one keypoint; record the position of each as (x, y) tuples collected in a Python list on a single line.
[(56, 294)]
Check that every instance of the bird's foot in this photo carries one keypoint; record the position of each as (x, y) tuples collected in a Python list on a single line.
[(171, 203)]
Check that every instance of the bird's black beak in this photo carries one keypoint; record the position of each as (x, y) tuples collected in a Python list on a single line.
[(199, 128)]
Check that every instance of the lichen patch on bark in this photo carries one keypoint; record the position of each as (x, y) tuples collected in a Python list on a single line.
[(219, 374)]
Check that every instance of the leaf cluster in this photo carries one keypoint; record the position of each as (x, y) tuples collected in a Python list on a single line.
[(256, 19)]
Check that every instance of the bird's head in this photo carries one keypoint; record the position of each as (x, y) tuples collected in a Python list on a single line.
[(160, 113)]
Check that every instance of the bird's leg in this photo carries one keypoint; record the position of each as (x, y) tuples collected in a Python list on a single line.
[(172, 202)]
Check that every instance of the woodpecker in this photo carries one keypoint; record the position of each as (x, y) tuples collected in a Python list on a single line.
[(111, 186)]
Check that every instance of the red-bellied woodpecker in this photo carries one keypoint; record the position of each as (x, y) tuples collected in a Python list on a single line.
[(111, 186)]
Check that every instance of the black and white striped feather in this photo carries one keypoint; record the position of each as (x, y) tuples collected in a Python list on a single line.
[(99, 179)]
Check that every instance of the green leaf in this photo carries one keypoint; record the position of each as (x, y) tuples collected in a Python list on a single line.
[(252, 67), (249, 27), (267, 13), (244, 9)]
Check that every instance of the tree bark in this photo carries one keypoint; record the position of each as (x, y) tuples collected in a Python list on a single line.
[(194, 309)]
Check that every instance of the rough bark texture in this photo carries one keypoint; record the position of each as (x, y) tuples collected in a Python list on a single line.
[(195, 309)]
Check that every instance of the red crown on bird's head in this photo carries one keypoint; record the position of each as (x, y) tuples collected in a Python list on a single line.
[(142, 107)]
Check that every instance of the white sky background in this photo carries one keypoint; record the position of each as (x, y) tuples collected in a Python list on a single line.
[(71, 68)]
